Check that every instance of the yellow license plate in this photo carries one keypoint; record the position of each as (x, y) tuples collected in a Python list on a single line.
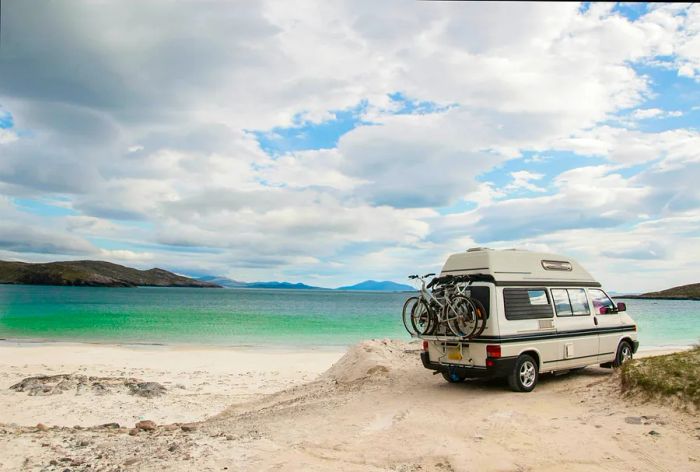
[(454, 354)]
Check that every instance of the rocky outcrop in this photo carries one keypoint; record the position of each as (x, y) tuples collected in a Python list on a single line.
[(58, 384), (92, 274)]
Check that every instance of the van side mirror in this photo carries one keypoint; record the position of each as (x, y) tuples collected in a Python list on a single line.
[(621, 306)]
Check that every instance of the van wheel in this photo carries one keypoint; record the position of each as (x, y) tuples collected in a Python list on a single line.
[(624, 354), (524, 376), (452, 377)]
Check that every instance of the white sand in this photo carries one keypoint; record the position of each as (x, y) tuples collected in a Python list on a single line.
[(376, 409), (200, 381)]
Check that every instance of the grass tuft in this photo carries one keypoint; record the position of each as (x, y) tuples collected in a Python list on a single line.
[(670, 376)]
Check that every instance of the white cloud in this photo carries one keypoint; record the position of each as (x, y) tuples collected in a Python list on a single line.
[(522, 179), (153, 122), (7, 136)]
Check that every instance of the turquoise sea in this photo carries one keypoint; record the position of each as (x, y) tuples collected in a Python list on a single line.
[(236, 317)]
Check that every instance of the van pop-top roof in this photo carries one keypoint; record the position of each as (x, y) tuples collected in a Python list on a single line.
[(514, 266)]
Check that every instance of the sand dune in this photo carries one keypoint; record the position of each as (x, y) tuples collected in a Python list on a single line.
[(376, 408)]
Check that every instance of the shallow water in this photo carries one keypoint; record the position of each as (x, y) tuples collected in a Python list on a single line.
[(255, 317)]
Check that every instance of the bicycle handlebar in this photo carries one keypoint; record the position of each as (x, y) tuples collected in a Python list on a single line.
[(420, 276)]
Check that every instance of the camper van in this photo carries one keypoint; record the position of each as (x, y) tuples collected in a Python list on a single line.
[(544, 313)]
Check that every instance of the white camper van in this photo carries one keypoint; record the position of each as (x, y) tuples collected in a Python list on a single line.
[(544, 313)]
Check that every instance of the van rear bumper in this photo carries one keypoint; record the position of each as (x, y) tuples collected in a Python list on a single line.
[(501, 367)]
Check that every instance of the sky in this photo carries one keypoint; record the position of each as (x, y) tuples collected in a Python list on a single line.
[(333, 142)]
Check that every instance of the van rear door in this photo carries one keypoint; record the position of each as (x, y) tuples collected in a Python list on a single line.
[(576, 328)]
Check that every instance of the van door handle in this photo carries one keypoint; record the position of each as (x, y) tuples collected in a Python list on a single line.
[(595, 320)]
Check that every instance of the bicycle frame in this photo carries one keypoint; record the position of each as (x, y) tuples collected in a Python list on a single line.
[(441, 314)]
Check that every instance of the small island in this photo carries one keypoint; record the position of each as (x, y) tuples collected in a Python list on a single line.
[(92, 274), (682, 292)]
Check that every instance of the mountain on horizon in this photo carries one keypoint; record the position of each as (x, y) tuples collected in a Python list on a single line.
[(223, 281), (367, 285), (379, 286), (283, 285)]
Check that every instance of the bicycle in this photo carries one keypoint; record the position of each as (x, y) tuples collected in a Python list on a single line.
[(408, 307), (448, 304), (442, 306), (479, 312)]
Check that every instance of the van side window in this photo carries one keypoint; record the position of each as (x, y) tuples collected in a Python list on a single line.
[(579, 301), (561, 302), (600, 300), (527, 303), (570, 302)]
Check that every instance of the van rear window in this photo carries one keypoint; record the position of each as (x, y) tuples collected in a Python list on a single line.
[(482, 294), (527, 303)]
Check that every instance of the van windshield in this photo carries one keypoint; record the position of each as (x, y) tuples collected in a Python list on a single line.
[(600, 300)]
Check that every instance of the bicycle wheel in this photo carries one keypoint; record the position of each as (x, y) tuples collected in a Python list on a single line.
[(461, 316), (422, 318), (480, 316), (406, 314)]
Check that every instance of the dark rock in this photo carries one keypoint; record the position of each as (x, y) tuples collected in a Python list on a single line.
[(133, 432), (110, 425), (146, 425), (173, 447), (188, 427), (41, 427), (654, 433), (147, 389)]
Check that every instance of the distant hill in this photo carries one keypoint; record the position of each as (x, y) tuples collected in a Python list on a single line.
[(223, 281), (92, 274), (375, 286), (282, 285), (691, 291), (367, 285)]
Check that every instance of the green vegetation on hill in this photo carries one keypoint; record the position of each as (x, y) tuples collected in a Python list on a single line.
[(673, 375), (683, 291), (91, 273)]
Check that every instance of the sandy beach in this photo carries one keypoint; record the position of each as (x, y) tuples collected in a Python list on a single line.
[(372, 407)]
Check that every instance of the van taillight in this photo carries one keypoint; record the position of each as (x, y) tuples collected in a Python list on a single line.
[(425, 346), (493, 350), (635, 328)]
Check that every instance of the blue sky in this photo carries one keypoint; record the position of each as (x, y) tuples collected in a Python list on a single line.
[(293, 151)]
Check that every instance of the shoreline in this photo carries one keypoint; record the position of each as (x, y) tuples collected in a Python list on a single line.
[(276, 347)]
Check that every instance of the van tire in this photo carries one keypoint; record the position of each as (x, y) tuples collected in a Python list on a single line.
[(624, 354), (525, 374), (453, 377)]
